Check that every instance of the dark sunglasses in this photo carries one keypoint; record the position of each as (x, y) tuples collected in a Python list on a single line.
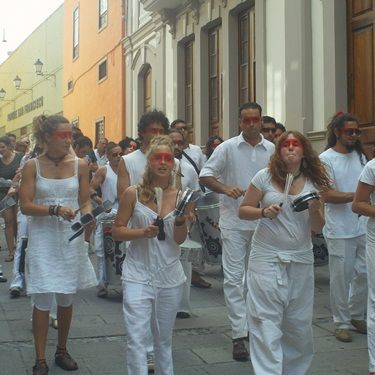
[(115, 154), (351, 131), (267, 130)]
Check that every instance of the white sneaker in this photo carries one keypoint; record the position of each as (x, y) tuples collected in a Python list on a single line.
[(150, 362)]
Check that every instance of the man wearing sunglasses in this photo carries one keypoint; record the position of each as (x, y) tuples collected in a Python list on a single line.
[(229, 172), (344, 230), (268, 128)]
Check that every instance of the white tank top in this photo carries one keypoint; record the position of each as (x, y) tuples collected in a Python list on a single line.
[(135, 164), (109, 187)]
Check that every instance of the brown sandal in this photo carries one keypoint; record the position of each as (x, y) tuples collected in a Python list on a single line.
[(40, 367), (64, 360)]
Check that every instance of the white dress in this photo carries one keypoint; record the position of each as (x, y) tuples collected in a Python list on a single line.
[(53, 263)]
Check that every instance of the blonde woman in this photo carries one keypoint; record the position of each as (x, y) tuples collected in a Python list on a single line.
[(152, 273)]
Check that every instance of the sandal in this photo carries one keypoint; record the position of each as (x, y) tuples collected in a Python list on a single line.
[(201, 283), (9, 258), (64, 360), (40, 367)]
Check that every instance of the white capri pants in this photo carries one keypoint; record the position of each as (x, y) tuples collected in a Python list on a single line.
[(280, 307), (348, 279), (146, 307), (236, 250), (44, 301)]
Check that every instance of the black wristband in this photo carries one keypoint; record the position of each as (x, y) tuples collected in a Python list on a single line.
[(51, 209)]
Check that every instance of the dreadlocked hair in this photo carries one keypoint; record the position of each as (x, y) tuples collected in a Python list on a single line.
[(338, 122), (311, 166), (146, 192)]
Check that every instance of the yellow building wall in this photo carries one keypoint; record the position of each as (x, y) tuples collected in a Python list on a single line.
[(38, 94), (90, 100)]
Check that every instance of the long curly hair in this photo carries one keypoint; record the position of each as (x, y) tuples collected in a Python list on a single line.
[(311, 166), (146, 191)]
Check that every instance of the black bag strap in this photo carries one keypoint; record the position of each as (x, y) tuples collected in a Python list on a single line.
[(192, 162)]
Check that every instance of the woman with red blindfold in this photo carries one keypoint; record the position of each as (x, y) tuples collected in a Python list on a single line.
[(280, 272), (54, 188), (152, 275)]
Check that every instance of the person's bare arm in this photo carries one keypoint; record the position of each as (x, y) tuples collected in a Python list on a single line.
[(249, 209), (123, 180), (218, 187), (336, 197), (362, 203), (84, 191)]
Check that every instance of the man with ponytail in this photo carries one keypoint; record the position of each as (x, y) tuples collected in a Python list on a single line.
[(344, 230)]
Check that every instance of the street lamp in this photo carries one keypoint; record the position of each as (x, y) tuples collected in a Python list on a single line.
[(17, 82), (38, 65)]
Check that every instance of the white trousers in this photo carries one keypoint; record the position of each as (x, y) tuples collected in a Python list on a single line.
[(236, 250), (370, 260), (348, 279), (280, 307), (145, 307), (18, 278), (185, 300)]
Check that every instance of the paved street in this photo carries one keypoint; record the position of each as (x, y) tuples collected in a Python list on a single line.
[(202, 344)]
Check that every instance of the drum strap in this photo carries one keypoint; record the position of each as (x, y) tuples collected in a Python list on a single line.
[(195, 167)]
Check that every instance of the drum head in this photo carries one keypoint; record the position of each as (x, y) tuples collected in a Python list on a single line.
[(185, 199), (301, 203), (190, 244)]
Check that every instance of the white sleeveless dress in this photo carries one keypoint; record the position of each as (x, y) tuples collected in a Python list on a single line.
[(53, 263)]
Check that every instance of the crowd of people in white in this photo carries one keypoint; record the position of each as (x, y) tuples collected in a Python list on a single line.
[(271, 193)]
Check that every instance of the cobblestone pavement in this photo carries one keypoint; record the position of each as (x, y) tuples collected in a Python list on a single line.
[(202, 344)]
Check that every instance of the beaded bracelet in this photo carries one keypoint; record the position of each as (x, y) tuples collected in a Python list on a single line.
[(57, 210)]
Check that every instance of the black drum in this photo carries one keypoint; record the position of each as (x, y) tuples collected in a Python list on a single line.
[(301, 203)]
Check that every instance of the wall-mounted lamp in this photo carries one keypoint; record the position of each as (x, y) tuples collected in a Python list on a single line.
[(38, 65), (17, 84), (2, 96)]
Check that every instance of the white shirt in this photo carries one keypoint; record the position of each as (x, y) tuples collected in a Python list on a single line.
[(288, 236), (344, 171), (368, 177), (235, 162), (196, 154), (101, 160)]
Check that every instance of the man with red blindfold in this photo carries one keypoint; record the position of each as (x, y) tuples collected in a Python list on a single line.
[(344, 230), (228, 172)]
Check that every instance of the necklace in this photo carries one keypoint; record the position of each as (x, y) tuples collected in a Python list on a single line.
[(297, 174), (57, 160)]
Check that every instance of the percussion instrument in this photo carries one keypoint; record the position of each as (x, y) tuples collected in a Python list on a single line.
[(7, 202), (114, 253), (208, 214), (191, 251), (301, 203), (185, 199)]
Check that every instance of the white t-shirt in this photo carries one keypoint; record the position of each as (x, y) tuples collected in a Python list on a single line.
[(344, 171), (368, 177), (288, 236), (101, 160), (235, 162), (196, 154)]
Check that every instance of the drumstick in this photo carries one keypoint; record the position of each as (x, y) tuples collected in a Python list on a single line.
[(288, 185)]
